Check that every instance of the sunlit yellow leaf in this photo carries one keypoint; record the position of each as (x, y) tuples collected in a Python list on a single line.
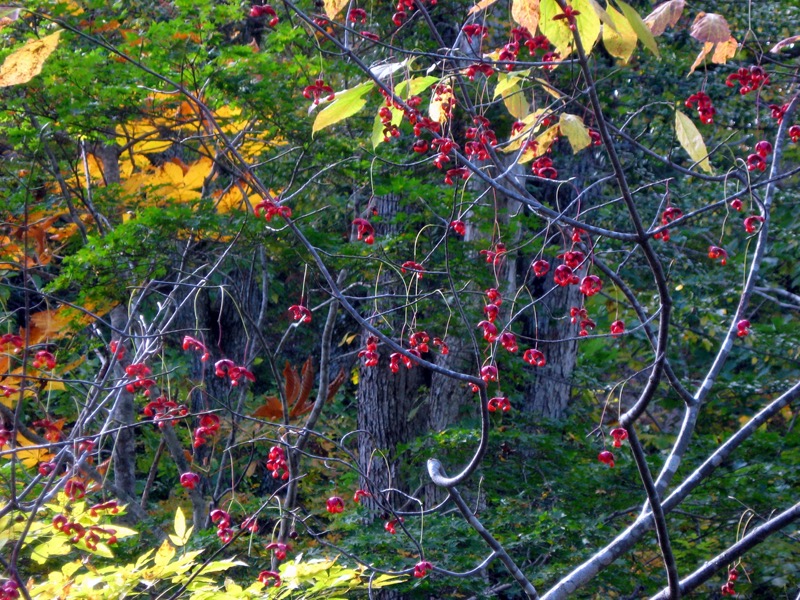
[(724, 51), (622, 42), (543, 142), (24, 64), (558, 32), (164, 554), (180, 523), (516, 103), (440, 99), (691, 140), (575, 131), (333, 7), (526, 13)]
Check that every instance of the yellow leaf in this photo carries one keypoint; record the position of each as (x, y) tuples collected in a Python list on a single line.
[(526, 13), (664, 15), (29, 458), (543, 142), (483, 4), (334, 7), (587, 24), (691, 141), (26, 63), (180, 523), (707, 47), (724, 51), (573, 128), (443, 97), (622, 42), (531, 123), (710, 27), (164, 554), (516, 103), (196, 175), (642, 31)]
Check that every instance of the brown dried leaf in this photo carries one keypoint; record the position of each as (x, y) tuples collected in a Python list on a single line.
[(306, 385), (271, 409), (292, 383), (334, 385), (710, 27), (783, 43), (664, 15)]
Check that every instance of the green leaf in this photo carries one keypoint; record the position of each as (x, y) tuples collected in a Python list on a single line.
[(377, 127), (346, 104), (412, 87), (642, 30), (691, 141)]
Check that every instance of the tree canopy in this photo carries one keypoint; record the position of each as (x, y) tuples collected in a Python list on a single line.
[(339, 299)]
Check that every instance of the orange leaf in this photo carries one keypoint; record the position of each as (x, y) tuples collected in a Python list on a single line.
[(526, 13), (292, 383), (24, 64), (271, 409), (480, 6), (334, 385)]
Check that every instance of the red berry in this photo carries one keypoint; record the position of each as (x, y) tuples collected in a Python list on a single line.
[(421, 568), (619, 435), (540, 268), (606, 457), (335, 505), (190, 480), (617, 328), (534, 357), (763, 148)]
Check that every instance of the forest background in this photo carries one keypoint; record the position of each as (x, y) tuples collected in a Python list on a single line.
[(420, 300)]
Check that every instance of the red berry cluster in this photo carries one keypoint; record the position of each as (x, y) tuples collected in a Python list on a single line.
[(564, 276), (509, 341), (521, 35), (617, 328), (9, 590), (540, 267), (401, 14), (778, 111), (391, 525), (727, 589), (496, 256), (272, 209), (748, 79), (43, 359), (117, 349), (226, 368), (370, 353), (704, 107), (474, 30), (459, 227), (414, 267), (361, 494), (743, 328), (606, 458), (794, 133), (222, 519), (52, 431), (751, 223), (13, 339), (190, 343), (568, 16), (265, 11), (335, 505), (481, 138), (317, 90), (276, 462), (90, 535), (591, 285), (279, 549), (620, 435), (500, 403), (474, 69), (421, 569), (543, 167), (573, 258), (757, 160), (75, 489), (581, 314), (365, 231), (489, 330), (190, 480), (534, 357), (142, 382), (717, 253), (357, 15), (269, 577), (488, 373), (164, 411), (300, 313), (670, 214), (209, 426), (395, 358)]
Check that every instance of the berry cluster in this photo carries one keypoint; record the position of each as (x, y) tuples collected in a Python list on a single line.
[(620, 435), (534, 357), (581, 314), (269, 577), (370, 353), (421, 569), (317, 90), (395, 358), (142, 382), (9, 590), (223, 521), (670, 214), (226, 368), (279, 549), (606, 457), (91, 535), (743, 328), (52, 431), (414, 267), (44, 359), (391, 525), (265, 11), (190, 480), (272, 209), (276, 462), (117, 349), (543, 167), (365, 231), (496, 256), (335, 505), (751, 223), (190, 343), (717, 253), (704, 107), (748, 80), (500, 403), (13, 339), (757, 160), (727, 589), (209, 426), (164, 411), (300, 313), (564, 276), (75, 489)]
